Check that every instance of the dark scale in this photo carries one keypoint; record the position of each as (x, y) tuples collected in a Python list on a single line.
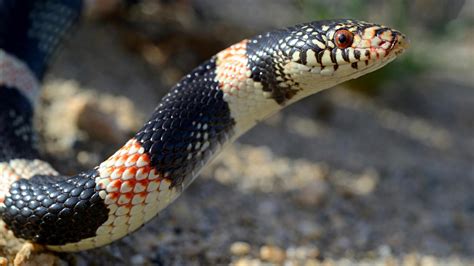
[(260, 53), (16, 133), (192, 110), (32, 29), (54, 210)]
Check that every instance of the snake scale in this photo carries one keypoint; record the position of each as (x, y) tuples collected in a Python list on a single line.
[(209, 108)]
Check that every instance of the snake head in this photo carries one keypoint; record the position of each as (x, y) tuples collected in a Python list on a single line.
[(306, 58), (259, 76)]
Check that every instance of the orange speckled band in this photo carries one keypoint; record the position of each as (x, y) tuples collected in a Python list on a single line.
[(133, 191)]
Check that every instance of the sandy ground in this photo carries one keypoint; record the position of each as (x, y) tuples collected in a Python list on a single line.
[(337, 179)]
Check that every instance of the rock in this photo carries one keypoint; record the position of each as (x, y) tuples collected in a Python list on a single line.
[(351, 184), (72, 113), (312, 262), (384, 251), (3, 261), (310, 230), (272, 254), (99, 125), (329, 262), (390, 261), (239, 248), (410, 260), (302, 253), (31, 254), (428, 261), (138, 259), (314, 194), (96, 9), (247, 262)]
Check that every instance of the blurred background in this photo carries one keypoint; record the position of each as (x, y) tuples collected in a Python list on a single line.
[(377, 171)]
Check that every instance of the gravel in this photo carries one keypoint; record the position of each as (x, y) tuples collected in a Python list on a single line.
[(373, 181)]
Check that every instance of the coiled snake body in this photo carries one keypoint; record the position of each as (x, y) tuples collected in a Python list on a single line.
[(210, 107)]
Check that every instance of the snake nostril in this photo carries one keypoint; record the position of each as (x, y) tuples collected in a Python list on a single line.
[(400, 43)]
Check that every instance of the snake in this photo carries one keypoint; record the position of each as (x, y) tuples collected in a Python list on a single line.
[(204, 112)]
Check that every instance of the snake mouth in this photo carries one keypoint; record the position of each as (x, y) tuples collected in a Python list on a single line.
[(399, 44)]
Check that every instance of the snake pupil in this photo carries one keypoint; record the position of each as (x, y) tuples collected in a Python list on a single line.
[(342, 38)]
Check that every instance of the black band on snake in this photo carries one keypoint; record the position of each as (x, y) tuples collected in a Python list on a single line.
[(209, 108)]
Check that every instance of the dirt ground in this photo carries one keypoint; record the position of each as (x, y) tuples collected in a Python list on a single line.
[(340, 178)]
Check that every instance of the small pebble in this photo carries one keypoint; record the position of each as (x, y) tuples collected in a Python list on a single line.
[(384, 251), (312, 262), (3, 261), (410, 260), (247, 262), (428, 261), (329, 262), (272, 254), (349, 184), (138, 259), (239, 248), (310, 230), (302, 253), (314, 194), (98, 124), (390, 261)]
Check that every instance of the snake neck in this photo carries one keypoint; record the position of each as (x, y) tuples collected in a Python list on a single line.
[(188, 127)]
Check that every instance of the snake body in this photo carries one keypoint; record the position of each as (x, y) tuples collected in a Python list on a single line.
[(209, 108)]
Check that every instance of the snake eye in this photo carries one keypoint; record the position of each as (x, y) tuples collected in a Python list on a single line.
[(343, 38)]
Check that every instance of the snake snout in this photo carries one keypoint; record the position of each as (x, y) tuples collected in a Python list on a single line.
[(392, 41), (400, 43)]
